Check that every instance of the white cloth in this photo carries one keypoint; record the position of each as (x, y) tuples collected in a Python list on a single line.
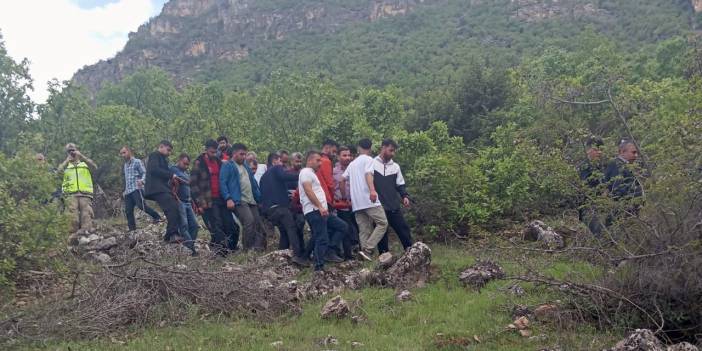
[(307, 175), (260, 171), (356, 174)]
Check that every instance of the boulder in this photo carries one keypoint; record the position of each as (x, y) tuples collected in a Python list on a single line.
[(102, 244), (404, 295), (481, 273), (539, 231), (546, 312), (685, 346), (639, 340), (412, 269), (385, 261), (337, 307)]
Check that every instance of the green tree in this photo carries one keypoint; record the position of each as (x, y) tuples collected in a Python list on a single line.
[(15, 105)]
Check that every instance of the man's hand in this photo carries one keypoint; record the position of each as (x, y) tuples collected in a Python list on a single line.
[(406, 202), (324, 212), (230, 204), (373, 196)]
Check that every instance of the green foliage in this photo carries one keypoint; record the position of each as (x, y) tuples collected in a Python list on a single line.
[(15, 104), (30, 227)]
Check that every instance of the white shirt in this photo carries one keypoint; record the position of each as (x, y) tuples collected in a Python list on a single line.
[(307, 175), (260, 171), (356, 174)]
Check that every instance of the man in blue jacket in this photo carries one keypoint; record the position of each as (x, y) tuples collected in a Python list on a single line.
[(239, 189)]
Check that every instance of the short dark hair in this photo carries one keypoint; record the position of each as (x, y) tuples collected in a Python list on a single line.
[(329, 142), (222, 138), (281, 152), (183, 156), (272, 157), (310, 154), (165, 143), (365, 144), (389, 142), (239, 146), (594, 141), (211, 144), (343, 148)]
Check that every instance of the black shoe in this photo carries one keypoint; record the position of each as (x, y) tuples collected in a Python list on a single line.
[(332, 257), (301, 261)]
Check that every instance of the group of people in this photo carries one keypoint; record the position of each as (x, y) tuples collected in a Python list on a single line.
[(615, 178), (348, 198)]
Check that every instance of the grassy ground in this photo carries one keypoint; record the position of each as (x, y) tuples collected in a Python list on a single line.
[(442, 316)]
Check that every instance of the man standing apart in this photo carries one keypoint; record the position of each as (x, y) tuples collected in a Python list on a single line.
[(78, 186), (390, 185), (342, 202), (188, 222), (206, 195), (134, 177), (240, 190), (276, 206), (364, 200), (158, 187), (325, 226)]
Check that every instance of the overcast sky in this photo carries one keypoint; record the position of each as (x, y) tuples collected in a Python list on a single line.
[(61, 36)]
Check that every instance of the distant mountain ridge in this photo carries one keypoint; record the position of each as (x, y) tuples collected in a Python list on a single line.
[(239, 41)]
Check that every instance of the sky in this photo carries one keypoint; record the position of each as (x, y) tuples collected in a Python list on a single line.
[(58, 37)]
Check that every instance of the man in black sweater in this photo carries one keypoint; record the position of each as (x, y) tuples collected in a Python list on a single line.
[(276, 205), (158, 187), (392, 192)]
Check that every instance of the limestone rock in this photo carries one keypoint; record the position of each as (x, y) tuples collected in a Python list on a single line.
[(337, 307), (546, 312), (539, 231), (412, 269), (685, 346), (481, 273), (103, 244), (385, 261), (404, 295), (639, 340)]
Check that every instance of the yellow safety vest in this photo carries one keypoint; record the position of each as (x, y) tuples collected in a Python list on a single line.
[(77, 179)]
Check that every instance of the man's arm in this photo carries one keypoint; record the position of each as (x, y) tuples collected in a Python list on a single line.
[(90, 162), (327, 175), (307, 186), (280, 174), (342, 188), (63, 164), (371, 187), (152, 166), (141, 170)]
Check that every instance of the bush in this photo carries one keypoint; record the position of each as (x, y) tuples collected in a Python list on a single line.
[(30, 226)]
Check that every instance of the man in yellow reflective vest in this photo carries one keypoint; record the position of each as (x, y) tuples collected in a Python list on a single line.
[(78, 187)]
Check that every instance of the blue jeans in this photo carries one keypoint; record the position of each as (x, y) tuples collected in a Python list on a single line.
[(188, 228), (326, 233)]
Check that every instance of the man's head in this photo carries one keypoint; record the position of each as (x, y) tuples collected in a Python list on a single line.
[(211, 147), (628, 151), (222, 143), (237, 152), (312, 159), (165, 148), (253, 164), (387, 149), (345, 156), (40, 157), (594, 148), (126, 153), (251, 156), (364, 146), (329, 148), (284, 156), (273, 160), (297, 160), (71, 149), (183, 162)]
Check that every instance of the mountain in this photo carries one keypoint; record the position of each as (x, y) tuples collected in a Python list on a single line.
[(410, 43)]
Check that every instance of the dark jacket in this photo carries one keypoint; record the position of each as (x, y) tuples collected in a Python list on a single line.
[(200, 189), (389, 184), (158, 175), (229, 186), (591, 173), (274, 189), (621, 180)]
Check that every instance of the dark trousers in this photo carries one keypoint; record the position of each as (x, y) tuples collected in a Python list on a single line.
[(299, 220), (397, 222), (351, 238), (136, 199), (171, 208), (220, 223), (325, 232), (282, 218)]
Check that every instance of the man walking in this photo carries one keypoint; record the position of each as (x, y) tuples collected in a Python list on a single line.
[(392, 192), (364, 200), (188, 222), (276, 206), (342, 202), (240, 190), (134, 177), (325, 226), (159, 178), (325, 172), (258, 169), (206, 196), (78, 187)]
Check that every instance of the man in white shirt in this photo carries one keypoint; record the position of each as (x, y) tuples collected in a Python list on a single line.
[(326, 227), (364, 200)]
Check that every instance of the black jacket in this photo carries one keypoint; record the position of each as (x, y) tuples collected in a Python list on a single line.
[(158, 175), (274, 190), (621, 180)]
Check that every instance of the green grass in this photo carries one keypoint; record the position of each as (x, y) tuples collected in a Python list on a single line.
[(442, 316)]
